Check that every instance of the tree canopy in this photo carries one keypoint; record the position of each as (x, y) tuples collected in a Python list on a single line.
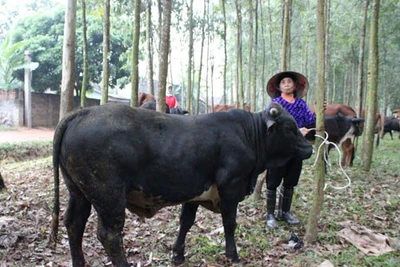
[(42, 30)]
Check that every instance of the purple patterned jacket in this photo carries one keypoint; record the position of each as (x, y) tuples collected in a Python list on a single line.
[(299, 110)]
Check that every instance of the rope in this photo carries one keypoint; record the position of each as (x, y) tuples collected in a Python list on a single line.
[(326, 143)]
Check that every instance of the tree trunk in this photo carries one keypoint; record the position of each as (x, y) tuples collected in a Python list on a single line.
[(327, 54), (239, 54), (201, 57), (135, 56), (258, 188), (150, 79), (225, 53), (106, 51), (371, 103), (85, 55), (286, 36), (249, 96), (190, 60), (164, 51), (254, 76), (68, 62), (318, 192), (360, 82)]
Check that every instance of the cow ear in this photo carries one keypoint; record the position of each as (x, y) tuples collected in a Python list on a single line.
[(270, 123)]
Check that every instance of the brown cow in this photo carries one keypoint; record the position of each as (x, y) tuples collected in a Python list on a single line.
[(225, 107), (144, 97)]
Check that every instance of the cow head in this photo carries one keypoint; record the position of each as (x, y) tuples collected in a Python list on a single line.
[(284, 140), (356, 121)]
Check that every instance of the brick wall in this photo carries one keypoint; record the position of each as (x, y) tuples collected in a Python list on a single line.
[(11, 107), (45, 108)]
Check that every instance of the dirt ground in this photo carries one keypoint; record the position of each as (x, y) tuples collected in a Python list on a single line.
[(24, 134)]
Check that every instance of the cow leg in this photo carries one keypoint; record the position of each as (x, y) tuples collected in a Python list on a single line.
[(391, 135), (186, 221), (75, 218), (228, 212), (110, 225)]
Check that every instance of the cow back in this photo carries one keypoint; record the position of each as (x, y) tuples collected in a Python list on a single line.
[(144, 97), (226, 107)]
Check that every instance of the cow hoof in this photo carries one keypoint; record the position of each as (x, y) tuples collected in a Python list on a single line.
[(233, 259), (177, 260)]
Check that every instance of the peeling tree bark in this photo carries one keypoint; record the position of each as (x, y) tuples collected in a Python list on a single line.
[(371, 105), (318, 192)]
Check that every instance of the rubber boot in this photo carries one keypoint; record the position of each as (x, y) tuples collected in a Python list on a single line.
[(271, 202), (284, 204)]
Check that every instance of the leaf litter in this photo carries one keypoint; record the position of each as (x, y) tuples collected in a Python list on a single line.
[(25, 218)]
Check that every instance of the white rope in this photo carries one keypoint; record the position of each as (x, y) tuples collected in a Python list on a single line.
[(326, 143)]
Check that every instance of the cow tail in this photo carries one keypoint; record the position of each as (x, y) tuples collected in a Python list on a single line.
[(57, 140)]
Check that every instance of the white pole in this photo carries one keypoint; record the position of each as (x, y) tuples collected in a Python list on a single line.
[(27, 91)]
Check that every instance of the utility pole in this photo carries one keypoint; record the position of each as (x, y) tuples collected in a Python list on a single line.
[(27, 90)]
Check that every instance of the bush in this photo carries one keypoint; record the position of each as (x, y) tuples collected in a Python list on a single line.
[(20, 151)]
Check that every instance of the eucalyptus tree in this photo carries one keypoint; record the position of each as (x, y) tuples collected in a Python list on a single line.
[(203, 28), (318, 192), (250, 62), (285, 53), (190, 59), (149, 41), (255, 63), (239, 54), (373, 71), (85, 54), (163, 56), (224, 33), (135, 55), (360, 80), (389, 44), (106, 51), (68, 61)]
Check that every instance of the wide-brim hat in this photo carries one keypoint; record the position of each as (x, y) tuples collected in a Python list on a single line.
[(299, 79)]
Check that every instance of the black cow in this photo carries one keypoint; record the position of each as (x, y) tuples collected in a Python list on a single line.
[(2, 185), (152, 106), (389, 126), (116, 157)]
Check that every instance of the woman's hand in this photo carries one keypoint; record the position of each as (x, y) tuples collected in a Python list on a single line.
[(304, 131)]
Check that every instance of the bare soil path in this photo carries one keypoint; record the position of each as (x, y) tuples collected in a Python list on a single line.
[(25, 134)]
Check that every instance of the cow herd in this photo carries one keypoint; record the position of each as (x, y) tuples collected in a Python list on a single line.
[(114, 157)]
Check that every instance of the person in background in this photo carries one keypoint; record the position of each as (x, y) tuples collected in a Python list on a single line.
[(170, 99), (287, 88)]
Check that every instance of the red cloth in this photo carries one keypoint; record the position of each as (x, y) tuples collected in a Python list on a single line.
[(171, 101)]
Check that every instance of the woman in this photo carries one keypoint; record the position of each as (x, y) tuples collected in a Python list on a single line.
[(287, 88), (170, 99)]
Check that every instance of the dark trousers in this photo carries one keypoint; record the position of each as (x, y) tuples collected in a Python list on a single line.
[(290, 173)]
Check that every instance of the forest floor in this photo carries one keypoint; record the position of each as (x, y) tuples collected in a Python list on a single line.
[(370, 204)]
